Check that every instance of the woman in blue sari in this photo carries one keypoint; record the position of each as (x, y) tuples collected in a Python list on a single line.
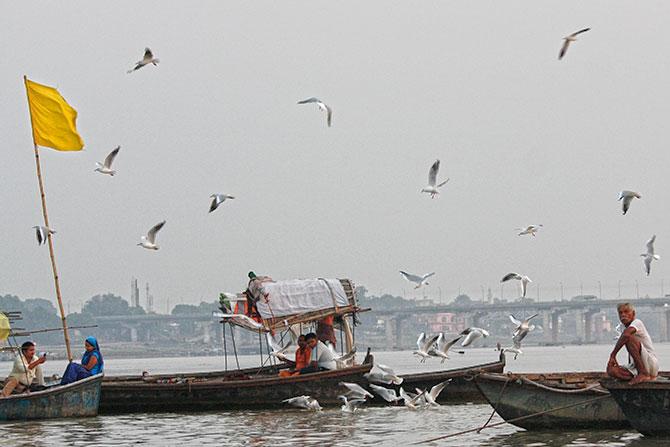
[(92, 363)]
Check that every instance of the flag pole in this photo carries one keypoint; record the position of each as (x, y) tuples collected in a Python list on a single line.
[(46, 224)]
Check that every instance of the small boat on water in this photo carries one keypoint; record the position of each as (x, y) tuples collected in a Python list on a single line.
[(584, 403), (645, 405), (76, 399)]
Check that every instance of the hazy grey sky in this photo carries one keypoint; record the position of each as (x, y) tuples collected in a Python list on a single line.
[(525, 138)]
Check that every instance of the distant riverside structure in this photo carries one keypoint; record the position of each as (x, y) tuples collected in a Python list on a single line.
[(134, 293), (150, 300)]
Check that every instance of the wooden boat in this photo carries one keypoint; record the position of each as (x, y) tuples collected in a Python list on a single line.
[(238, 389), (76, 399), (645, 405), (515, 395), (461, 389)]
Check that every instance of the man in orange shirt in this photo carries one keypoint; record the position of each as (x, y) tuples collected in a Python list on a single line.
[(302, 358)]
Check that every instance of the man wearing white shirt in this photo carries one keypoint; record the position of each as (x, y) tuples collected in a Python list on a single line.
[(322, 357), (639, 346)]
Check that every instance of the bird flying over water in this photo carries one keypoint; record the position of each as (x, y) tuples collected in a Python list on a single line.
[(650, 255), (424, 345), (356, 391), (524, 280), (432, 187), (41, 232), (443, 346), (627, 197), (352, 405), (322, 106), (146, 60), (472, 334), (389, 395), (218, 199), (569, 39), (530, 229), (149, 241), (106, 166), (306, 402), (412, 401), (386, 377), (416, 279), (432, 395), (522, 329)]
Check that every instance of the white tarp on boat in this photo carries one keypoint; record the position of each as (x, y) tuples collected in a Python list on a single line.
[(298, 296)]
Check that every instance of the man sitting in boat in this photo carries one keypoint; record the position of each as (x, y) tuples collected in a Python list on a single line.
[(321, 359), (640, 348), (27, 367), (302, 358), (91, 363)]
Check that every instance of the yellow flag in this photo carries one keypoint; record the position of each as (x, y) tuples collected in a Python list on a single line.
[(4, 327), (53, 120)]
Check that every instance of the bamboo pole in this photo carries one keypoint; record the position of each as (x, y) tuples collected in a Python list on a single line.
[(46, 224)]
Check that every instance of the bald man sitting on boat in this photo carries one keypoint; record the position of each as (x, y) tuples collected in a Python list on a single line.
[(637, 341)]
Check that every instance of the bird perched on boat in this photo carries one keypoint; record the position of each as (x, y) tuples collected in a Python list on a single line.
[(389, 395), (356, 391), (432, 187), (412, 401), (322, 106), (146, 60), (650, 255), (352, 405), (432, 395), (443, 346), (627, 197), (472, 334), (530, 229), (106, 166), (416, 279), (276, 350), (386, 377), (149, 241), (524, 280), (218, 199), (306, 402), (567, 40), (424, 345), (42, 232)]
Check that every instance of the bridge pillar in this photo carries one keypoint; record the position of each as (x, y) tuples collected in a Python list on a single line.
[(588, 324), (133, 334), (393, 326), (555, 323)]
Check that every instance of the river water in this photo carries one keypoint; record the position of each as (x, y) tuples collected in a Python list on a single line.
[(378, 426)]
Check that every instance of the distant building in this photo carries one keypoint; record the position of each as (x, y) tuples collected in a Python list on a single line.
[(445, 322), (134, 293), (150, 301)]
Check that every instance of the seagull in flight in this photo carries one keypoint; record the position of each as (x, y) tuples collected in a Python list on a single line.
[(569, 39), (432, 395), (218, 199), (42, 232), (649, 255), (530, 229), (472, 334), (412, 401), (522, 329), (389, 395), (443, 347), (306, 402), (146, 60), (352, 405), (149, 241), (523, 278), (628, 197), (418, 280), (106, 166), (386, 377), (424, 346), (356, 391), (322, 106), (432, 187)]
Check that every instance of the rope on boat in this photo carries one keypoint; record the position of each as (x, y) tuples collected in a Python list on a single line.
[(593, 387), (494, 409), (520, 418)]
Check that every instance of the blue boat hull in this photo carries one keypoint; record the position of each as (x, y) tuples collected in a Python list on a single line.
[(78, 399)]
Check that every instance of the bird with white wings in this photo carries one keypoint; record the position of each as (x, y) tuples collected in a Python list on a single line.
[(424, 346), (352, 405), (412, 402), (42, 232), (420, 281), (146, 60), (530, 229), (389, 395), (386, 377), (432, 395), (106, 166), (149, 241), (515, 349), (342, 360), (567, 40), (322, 106), (522, 328), (472, 334), (650, 255), (306, 402), (523, 280), (432, 187), (218, 199), (443, 346), (356, 391), (627, 197)]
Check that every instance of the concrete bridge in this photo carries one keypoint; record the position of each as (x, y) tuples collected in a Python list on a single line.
[(150, 327), (549, 311)]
